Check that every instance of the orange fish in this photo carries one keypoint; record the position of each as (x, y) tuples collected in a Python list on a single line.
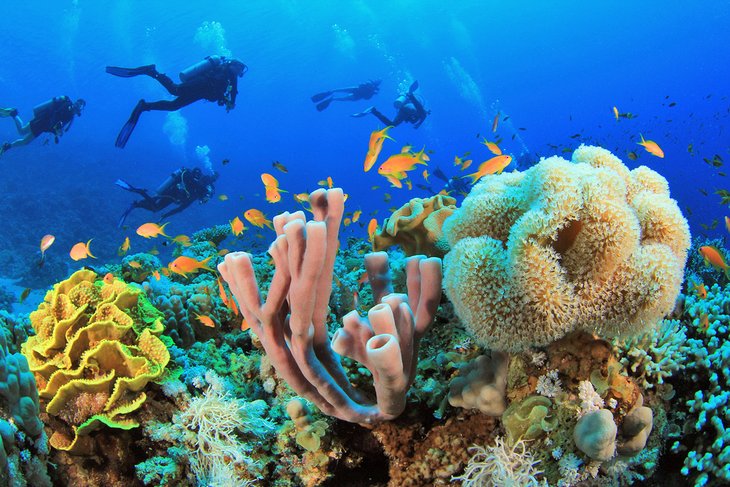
[(615, 112), (394, 181), (375, 146), (223, 252), (108, 278), (232, 305), (124, 248), (714, 258), (493, 148), (206, 320), (183, 240), (134, 264), (271, 185), (651, 147), (257, 218), (700, 289), (301, 197), (704, 322), (727, 223), (356, 215), (237, 226), (347, 222), (46, 242), (185, 265), (398, 164), (244, 325), (222, 292), (462, 162), (81, 251), (154, 251), (495, 122), (425, 175), (151, 230), (156, 274), (494, 165), (372, 228)]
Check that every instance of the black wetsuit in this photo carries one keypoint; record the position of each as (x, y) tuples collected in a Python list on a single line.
[(218, 85), (54, 119)]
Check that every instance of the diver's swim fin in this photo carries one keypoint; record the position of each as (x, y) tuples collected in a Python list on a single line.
[(149, 69), (8, 112), (128, 128), (322, 105), (123, 184), (321, 96), (414, 87), (124, 216)]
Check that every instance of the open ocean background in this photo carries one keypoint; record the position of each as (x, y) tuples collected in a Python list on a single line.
[(555, 68)]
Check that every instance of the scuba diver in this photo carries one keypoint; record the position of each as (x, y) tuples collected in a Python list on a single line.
[(53, 116), (410, 109), (215, 78), (363, 91), (182, 188)]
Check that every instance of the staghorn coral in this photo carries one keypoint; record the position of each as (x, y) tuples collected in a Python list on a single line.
[(585, 244), (96, 347), (416, 227)]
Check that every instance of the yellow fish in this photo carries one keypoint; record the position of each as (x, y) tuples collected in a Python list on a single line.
[(494, 165), (257, 218), (223, 197), (398, 164), (651, 147), (81, 251), (347, 222), (372, 228), (183, 240), (124, 248), (356, 216), (377, 137), (206, 320), (615, 112), (151, 230), (425, 175)]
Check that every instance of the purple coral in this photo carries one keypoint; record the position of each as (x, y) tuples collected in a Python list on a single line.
[(291, 324)]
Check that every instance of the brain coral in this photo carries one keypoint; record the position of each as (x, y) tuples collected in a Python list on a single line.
[(96, 347), (585, 244)]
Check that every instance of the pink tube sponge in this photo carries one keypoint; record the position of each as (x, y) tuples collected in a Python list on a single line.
[(562, 246), (292, 325)]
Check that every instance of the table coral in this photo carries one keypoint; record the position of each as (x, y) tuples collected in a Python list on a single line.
[(416, 226), (96, 347), (585, 244)]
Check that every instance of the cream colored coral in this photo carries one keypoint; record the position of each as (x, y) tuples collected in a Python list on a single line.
[(564, 245)]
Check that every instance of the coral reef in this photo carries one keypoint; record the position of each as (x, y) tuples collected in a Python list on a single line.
[(501, 464), (96, 347), (562, 246), (416, 227)]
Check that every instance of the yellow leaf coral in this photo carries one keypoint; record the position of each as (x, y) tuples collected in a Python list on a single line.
[(96, 347), (562, 246), (416, 227)]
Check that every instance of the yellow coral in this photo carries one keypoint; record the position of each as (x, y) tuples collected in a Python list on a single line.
[(96, 347), (416, 226), (585, 244)]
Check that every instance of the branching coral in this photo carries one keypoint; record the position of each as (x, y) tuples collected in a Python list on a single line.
[(585, 244)]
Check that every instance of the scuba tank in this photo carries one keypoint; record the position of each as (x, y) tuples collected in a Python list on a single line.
[(200, 68), (40, 110)]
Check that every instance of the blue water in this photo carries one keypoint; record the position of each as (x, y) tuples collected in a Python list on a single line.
[(555, 68)]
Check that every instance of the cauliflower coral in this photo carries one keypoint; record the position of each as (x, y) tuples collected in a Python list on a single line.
[(563, 246)]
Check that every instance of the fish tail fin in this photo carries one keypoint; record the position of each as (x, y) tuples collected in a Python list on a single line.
[(268, 224), (88, 250), (162, 230), (204, 263), (474, 177)]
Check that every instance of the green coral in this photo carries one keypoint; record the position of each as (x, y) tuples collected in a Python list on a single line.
[(97, 346)]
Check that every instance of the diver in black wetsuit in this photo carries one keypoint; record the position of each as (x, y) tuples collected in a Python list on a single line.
[(363, 91), (410, 109), (213, 79), (53, 116), (182, 188)]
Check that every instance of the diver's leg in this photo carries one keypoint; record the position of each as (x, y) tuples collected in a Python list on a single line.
[(16, 143), (385, 120), (167, 83), (171, 105), (23, 129)]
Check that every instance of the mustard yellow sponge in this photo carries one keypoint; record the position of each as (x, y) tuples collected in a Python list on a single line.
[(416, 227), (96, 347), (564, 245)]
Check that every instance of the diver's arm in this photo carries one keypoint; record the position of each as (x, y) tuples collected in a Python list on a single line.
[(233, 93)]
